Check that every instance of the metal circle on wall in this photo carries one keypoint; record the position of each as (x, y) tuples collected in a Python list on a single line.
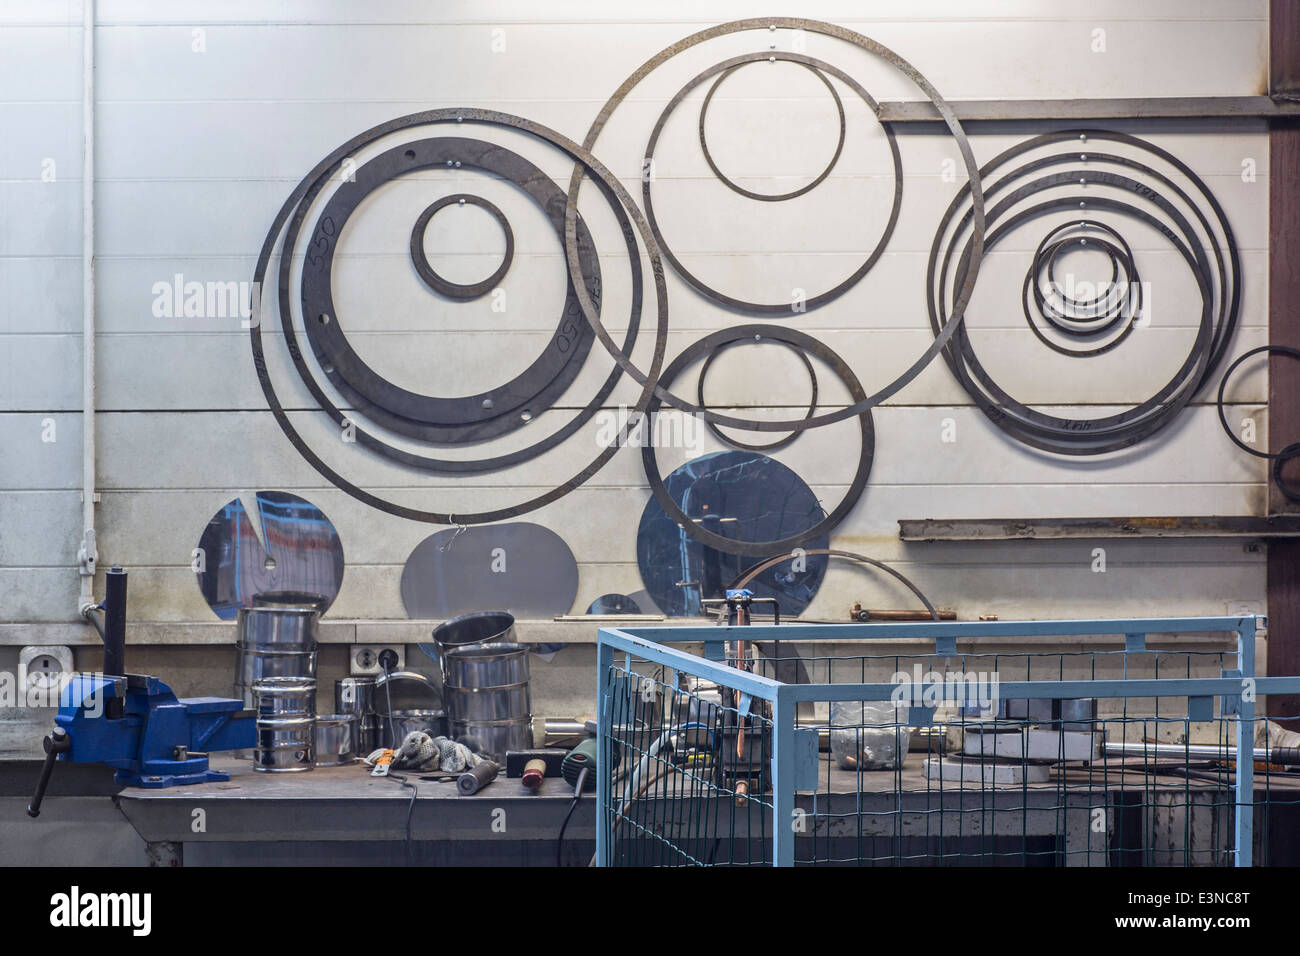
[(1081, 182), (745, 496), (721, 70), (277, 545), (477, 417), (460, 290), (867, 441), (973, 188), (295, 208), (613, 604), (519, 567)]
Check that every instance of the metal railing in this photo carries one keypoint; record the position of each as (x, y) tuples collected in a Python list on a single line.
[(704, 758)]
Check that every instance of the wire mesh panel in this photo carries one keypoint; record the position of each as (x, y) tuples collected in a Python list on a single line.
[(813, 750)]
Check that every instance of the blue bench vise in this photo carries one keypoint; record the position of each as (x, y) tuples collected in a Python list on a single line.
[(136, 724)]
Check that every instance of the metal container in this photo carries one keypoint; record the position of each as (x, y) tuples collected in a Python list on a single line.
[(370, 734), (284, 627), (284, 744), (487, 694), (285, 697), (393, 729), (481, 627), (485, 665), (494, 738), (255, 664), (286, 722), (405, 690), (317, 602), (354, 695), (489, 703), (335, 739)]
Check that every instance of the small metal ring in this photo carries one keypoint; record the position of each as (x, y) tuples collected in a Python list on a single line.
[(459, 290), (770, 197), (771, 446)]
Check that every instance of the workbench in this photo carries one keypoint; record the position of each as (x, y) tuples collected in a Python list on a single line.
[(346, 805)]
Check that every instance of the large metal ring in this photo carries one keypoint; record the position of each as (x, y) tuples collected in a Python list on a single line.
[(770, 446), (1218, 314), (779, 308), (800, 340), (974, 189), (839, 146), (426, 417), (613, 191)]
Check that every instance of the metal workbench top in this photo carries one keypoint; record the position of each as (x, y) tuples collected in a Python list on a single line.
[(347, 804)]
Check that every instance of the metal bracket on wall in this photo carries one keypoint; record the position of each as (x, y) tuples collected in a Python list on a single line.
[(1157, 107)]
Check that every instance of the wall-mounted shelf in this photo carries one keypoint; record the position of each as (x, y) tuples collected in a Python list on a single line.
[(1057, 529), (1157, 107)]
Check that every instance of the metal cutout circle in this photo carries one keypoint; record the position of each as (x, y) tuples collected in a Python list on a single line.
[(770, 197), (1218, 315), (805, 537), (544, 191), (778, 308), (738, 492), (770, 446), (613, 604), (431, 418), (614, 192), (271, 546), (460, 290), (519, 567), (974, 188)]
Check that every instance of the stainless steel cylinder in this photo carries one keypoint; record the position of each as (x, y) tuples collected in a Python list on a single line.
[(511, 702), (284, 744), (288, 627), (494, 738), (481, 627), (285, 697), (286, 721), (393, 729), (354, 695), (254, 664), (370, 734), (335, 739), (475, 666)]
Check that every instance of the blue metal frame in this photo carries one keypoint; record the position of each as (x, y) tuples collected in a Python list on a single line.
[(1239, 688)]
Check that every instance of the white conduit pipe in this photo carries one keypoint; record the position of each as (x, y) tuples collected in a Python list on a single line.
[(87, 556)]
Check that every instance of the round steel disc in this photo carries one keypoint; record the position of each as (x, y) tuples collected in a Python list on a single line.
[(518, 567)]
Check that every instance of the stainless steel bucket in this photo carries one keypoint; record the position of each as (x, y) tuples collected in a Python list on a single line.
[(354, 695), (286, 627), (494, 738), (255, 664), (335, 739), (284, 744), (370, 734), (392, 730), (485, 665), (481, 627), (285, 697), (286, 723), (510, 702), (485, 687)]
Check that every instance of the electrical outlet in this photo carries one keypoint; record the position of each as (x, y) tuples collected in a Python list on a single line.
[(42, 669), (365, 658)]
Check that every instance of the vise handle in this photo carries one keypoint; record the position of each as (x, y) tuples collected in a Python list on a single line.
[(56, 743)]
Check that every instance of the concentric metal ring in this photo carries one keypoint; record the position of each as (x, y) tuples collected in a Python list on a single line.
[(974, 189), (460, 290)]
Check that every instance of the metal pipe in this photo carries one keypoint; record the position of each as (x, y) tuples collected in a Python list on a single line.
[(87, 555), (1278, 755), (115, 622)]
